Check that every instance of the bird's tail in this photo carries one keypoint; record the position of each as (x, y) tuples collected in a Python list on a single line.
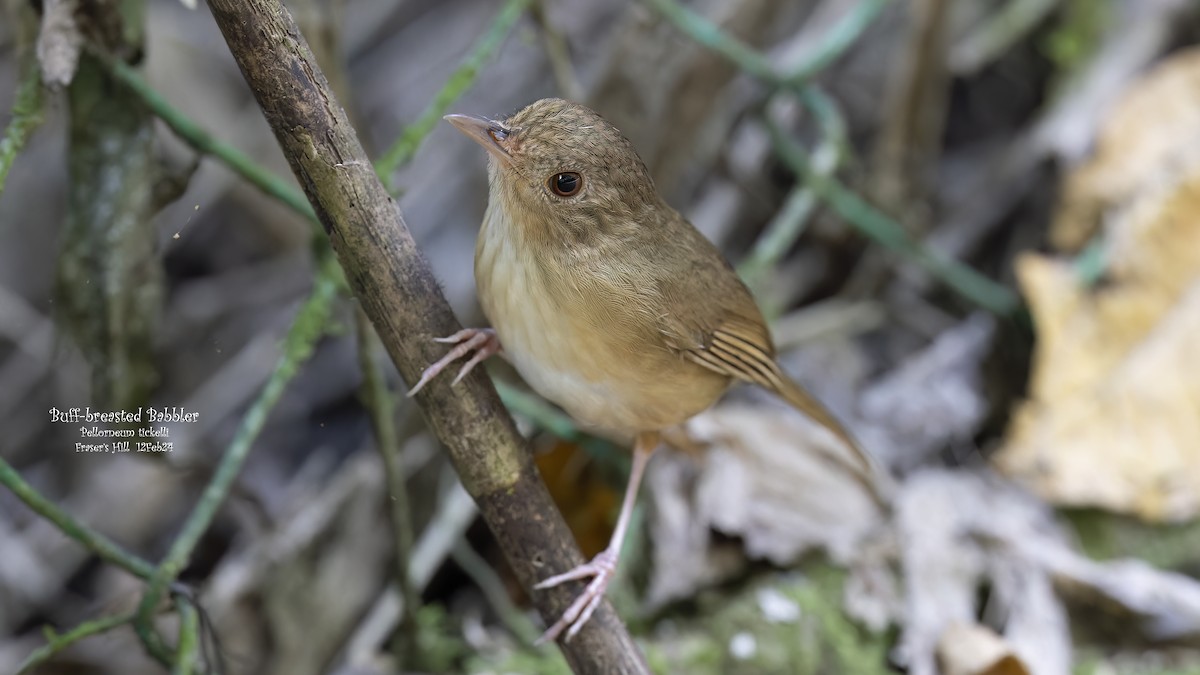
[(864, 467)]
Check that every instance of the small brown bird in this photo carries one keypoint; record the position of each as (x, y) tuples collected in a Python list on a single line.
[(606, 300)]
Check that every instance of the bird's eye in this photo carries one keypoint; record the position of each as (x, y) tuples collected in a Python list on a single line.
[(566, 184)]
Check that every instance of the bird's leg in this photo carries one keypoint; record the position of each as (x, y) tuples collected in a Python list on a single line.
[(482, 341), (601, 568)]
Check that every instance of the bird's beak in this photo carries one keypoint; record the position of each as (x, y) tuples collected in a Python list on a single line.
[(483, 131)]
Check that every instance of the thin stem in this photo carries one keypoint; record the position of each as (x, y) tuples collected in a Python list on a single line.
[(867, 219), (886, 232), (836, 41), (1011, 22), (748, 59), (204, 142), (309, 325), (60, 642), (778, 237), (787, 225), (380, 406), (26, 115), (404, 147), (107, 549), (187, 653), (710, 35), (493, 589)]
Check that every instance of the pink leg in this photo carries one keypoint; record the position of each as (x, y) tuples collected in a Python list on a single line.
[(482, 341), (601, 568)]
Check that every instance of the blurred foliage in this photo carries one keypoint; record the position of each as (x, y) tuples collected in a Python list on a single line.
[(1077, 34)]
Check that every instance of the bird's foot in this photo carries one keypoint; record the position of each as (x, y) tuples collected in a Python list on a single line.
[(601, 570), (482, 341)]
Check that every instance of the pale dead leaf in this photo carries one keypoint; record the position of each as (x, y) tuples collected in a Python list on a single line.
[(1152, 134), (769, 477), (972, 649), (59, 43), (684, 557), (1113, 418), (959, 531), (1165, 605), (873, 596), (933, 399), (772, 478), (953, 529), (1126, 438)]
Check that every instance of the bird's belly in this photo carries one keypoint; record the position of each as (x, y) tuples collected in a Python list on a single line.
[(598, 380)]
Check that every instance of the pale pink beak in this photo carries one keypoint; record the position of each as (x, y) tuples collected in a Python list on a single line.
[(483, 131)]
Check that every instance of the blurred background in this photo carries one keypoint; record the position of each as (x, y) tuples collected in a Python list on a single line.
[(974, 225)]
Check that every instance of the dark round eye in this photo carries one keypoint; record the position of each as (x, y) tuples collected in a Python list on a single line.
[(566, 184)]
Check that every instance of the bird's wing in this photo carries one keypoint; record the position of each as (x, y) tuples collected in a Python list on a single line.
[(740, 347), (708, 316)]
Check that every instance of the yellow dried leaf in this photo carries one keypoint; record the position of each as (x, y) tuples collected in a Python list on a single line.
[(1151, 136), (1113, 418)]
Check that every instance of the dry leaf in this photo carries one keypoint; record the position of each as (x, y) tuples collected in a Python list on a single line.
[(934, 398), (1151, 136), (956, 531), (1114, 413), (769, 477), (960, 531), (1165, 605)]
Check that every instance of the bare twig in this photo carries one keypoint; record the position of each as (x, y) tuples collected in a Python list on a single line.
[(381, 408), (402, 298), (455, 513), (102, 546)]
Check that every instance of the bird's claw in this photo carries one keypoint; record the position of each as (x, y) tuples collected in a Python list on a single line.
[(482, 341), (601, 570)]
